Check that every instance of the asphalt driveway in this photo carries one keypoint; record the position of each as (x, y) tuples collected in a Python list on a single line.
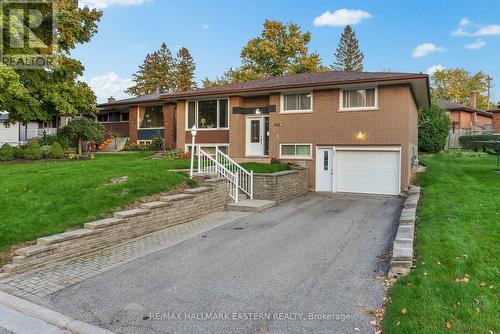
[(309, 265)]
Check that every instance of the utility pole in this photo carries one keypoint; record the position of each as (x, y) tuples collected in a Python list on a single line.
[(488, 79)]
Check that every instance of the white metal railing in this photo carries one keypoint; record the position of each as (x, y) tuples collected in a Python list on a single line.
[(220, 164), (245, 178), (36, 133), (208, 165)]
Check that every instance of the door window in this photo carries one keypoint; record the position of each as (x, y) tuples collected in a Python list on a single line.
[(255, 131), (325, 160)]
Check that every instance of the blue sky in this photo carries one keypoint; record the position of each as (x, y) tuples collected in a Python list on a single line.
[(405, 36)]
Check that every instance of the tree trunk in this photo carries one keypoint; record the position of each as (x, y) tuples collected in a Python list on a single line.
[(80, 146)]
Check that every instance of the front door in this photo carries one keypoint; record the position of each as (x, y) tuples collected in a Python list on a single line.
[(256, 136), (324, 169)]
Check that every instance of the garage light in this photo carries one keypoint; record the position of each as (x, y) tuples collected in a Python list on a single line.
[(360, 135)]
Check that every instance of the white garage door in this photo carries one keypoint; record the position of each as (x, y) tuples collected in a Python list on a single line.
[(374, 172)]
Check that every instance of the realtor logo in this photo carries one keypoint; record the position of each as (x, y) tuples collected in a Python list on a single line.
[(28, 34)]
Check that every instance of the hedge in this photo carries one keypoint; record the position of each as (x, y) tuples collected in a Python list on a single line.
[(471, 142)]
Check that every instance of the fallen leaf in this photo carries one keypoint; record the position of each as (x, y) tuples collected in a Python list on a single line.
[(439, 263), (449, 325), (356, 329), (477, 300), (482, 283), (492, 287), (478, 310), (463, 280), (465, 256), (425, 274), (404, 310), (398, 323)]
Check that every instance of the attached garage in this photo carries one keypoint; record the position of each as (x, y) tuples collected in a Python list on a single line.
[(370, 170)]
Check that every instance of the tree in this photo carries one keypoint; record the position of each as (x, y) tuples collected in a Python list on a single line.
[(348, 56), (79, 130), (184, 70), (280, 49), (156, 73), (52, 91), (433, 129), (456, 85)]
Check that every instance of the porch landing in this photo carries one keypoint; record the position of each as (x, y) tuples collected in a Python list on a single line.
[(250, 205)]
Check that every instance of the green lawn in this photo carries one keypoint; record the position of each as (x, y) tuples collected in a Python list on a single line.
[(458, 234), (39, 199), (258, 167)]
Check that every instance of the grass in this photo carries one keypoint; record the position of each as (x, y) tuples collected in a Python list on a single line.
[(258, 167), (39, 199), (457, 237)]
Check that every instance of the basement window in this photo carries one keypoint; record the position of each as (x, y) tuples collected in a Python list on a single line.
[(295, 151)]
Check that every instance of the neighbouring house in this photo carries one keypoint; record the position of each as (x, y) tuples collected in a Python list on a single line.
[(355, 131), (139, 119), (9, 133), (496, 119), (467, 119)]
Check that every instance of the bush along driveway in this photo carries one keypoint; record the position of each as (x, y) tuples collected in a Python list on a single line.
[(453, 288)]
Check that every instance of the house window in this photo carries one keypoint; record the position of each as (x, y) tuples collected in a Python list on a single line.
[(103, 118), (151, 117), (210, 148), (297, 102), (208, 114), (124, 117), (295, 151), (358, 99), (114, 117)]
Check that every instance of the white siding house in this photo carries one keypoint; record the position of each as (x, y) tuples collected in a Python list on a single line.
[(9, 133)]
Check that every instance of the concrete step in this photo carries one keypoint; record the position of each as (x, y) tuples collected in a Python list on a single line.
[(250, 205), (120, 144)]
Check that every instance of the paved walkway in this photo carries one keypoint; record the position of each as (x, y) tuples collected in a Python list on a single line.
[(46, 280), (14, 322)]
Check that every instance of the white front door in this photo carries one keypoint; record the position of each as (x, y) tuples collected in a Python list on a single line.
[(324, 169), (255, 136)]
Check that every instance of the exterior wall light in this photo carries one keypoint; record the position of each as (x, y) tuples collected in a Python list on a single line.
[(360, 135)]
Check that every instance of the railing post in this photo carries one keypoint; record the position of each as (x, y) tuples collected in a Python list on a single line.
[(251, 184), (236, 188), (199, 159)]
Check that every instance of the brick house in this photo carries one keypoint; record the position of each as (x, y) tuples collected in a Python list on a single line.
[(356, 132), (467, 118)]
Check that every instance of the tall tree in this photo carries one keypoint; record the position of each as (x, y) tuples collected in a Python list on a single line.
[(58, 90), (348, 56), (280, 49), (157, 72), (457, 85), (184, 70)]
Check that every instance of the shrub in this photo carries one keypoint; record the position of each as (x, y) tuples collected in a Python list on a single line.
[(471, 142), (47, 140), (33, 151), (45, 150), (56, 152), (433, 130), (156, 144), (135, 147), (172, 155), (19, 152), (458, 153), (6, 152)]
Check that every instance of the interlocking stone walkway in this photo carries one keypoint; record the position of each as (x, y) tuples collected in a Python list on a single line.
[(45, 280)]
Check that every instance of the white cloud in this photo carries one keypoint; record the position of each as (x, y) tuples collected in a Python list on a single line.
[(481, 30), (426, 49), (100, 4), (438, 67), (109, 84), (476, 45), (464, 22), (205, 26), (341, 17)]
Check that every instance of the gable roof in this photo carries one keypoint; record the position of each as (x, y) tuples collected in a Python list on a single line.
[(419, 83), (452, 106), (133, 100)]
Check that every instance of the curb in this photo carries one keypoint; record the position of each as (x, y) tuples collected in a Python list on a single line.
[(52, 317), (402, 249)]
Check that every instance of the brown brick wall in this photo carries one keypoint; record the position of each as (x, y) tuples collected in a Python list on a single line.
[(133, 115), (209, 137), (169, 115), (121, 128), (281, 185), (496, 121), (484, 120)]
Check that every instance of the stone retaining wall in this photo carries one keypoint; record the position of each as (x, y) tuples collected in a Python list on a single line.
[(124, 225), (280, 185), (402, 249)]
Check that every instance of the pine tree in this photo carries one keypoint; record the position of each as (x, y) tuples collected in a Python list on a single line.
[(348, 56), (184, 70), (156, 73)]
